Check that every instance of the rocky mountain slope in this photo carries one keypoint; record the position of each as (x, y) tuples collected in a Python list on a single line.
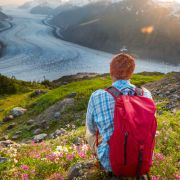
[(45, 10), (144, 27), (3, 16), (48, 128)]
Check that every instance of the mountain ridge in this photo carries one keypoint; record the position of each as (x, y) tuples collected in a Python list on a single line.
[(49, 133), (120, 24)]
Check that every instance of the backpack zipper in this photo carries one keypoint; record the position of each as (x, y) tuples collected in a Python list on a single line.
[(125, 148)]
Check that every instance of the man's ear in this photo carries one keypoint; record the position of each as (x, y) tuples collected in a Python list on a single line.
[(113, 78)]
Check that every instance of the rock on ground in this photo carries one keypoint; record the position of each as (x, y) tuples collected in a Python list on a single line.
[(48, 114), (18, 111), (81, 170), (38, 93), (6, 143), (39, 137), (30, 122), (37, 131), (3, 160), (11, 126), (57, 133), (168, 87), (8, 118)]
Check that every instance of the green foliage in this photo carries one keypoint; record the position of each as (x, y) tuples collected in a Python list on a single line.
[(7, 85), (13, 86), (84, 89), (39, 157)]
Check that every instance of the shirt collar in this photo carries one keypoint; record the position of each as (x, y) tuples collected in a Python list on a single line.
[(121, 83)]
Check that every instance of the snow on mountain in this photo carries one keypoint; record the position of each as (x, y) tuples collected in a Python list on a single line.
[(56, 3), (3, 16)]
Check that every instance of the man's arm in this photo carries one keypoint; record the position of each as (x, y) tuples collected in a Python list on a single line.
[(91, 126), (90, 123)]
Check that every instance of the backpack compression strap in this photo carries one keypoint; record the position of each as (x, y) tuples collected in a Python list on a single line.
[(116, 92)]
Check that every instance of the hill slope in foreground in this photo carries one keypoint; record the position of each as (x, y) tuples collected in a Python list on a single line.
[(54, 117)]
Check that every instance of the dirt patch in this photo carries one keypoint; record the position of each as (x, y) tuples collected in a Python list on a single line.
[(50, 113), (168, 87)]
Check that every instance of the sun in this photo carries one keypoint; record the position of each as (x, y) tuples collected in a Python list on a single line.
[(165, 0), (169, 1)]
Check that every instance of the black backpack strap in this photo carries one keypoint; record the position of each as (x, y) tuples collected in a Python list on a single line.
[(113, 91), (139, 91), (116, 92)]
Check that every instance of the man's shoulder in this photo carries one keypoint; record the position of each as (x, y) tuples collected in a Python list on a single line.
[(99, 93), (147, 93), (102, 93)]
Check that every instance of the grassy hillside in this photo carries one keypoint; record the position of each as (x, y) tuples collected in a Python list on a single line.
[(36, 105), (52, 158)]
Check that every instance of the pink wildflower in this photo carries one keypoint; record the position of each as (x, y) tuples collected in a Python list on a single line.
[(85, 147), (37, 156), (55, 176), (25, 167), (177, 176), (155, 178), (25, 176), (81, 154), (60, 155), (159, 156), (51, 157), (70, 157)]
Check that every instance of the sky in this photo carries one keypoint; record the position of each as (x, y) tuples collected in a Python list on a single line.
[(4, 2), (18, 2)]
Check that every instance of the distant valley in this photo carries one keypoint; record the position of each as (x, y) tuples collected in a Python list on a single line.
[(45, 40), (110, 27)]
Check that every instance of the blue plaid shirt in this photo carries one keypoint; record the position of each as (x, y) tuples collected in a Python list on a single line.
[(100, 114)]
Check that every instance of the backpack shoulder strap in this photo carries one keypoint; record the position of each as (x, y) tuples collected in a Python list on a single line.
[(139, 91), (113, 91)]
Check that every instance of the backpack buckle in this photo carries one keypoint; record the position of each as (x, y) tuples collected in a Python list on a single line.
[(141, 147)]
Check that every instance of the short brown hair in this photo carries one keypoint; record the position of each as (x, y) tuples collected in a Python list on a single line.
[(122, 66)]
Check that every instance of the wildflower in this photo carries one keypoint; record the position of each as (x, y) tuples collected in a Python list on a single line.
[(25, 176), (85, 147), (38, 156), (24, 167), (157, 133), (68, 125), (61, 149), (70, 157), (55, 176), (81, 154), (59, 154), (155, 178), (159, 156), (51, 157), (15, 160), (177, 176)]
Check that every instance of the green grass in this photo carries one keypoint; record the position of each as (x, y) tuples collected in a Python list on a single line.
[(35, 106), (167, 146), (84, 89), (166, 162)]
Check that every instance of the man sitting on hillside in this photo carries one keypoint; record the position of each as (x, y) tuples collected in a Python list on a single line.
[(100, 112)]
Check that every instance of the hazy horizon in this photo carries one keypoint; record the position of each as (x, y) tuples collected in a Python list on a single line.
[(19, 2)]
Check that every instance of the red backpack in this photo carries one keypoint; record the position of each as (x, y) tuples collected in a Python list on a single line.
[(132, 142)]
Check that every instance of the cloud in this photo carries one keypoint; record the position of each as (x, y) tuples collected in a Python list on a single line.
[(9, 2)]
